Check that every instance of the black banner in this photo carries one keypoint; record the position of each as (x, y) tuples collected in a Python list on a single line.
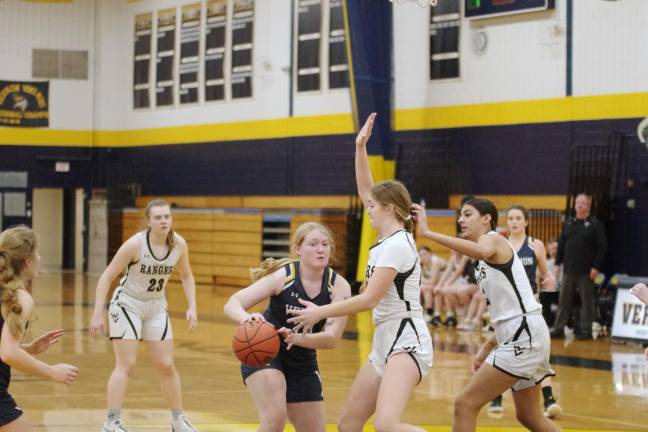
[(242, 44), (189, 46), (24, 104)]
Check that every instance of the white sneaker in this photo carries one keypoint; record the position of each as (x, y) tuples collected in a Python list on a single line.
[(182, 425), (114, 426)]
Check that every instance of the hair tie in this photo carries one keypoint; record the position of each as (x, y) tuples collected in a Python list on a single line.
[(409, 217)]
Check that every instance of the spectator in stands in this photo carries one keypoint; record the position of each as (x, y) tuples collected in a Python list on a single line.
[(431, 268), (581, 250)]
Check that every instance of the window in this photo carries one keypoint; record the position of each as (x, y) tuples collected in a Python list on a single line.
[(338, 67), (59, 64), (321, 57), (445, 25)]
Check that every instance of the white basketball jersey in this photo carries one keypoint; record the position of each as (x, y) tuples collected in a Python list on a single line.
[(402, 299), (147, 278), (507, 288)]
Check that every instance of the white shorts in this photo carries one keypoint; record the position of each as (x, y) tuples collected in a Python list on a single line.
[(133, 319), (408, 335), (523, 350)]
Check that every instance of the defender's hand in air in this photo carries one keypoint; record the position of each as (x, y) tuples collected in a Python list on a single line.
[(365, 132)]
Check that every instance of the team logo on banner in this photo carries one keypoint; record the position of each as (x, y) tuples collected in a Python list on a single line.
[(24, 104)]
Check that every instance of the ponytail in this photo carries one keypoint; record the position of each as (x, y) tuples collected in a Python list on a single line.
[(267, 266), (17, 245)]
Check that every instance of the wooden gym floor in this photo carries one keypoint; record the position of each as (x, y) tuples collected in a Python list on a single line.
[(593, 396)]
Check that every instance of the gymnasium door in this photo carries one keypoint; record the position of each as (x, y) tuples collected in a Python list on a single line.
[(58, 218), (15, 199)]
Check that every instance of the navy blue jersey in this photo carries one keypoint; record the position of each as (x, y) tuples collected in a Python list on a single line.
[(529, 261), (5, 370), (469, 271), (277, 311)]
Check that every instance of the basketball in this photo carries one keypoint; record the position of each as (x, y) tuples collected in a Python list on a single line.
[(255, 343)]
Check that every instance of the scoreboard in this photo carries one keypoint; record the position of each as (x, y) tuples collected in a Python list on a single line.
[(475, 9)]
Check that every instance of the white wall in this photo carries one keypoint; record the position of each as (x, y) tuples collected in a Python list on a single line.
[(47, 221), (69, 26), (524, 59), (610, 47), (271, 57)]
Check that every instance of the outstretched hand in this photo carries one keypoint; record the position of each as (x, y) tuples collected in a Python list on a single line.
[(305, 318), (365, 132), (44, 342)]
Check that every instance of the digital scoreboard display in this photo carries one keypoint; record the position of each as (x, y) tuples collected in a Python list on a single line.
[(474, 9)]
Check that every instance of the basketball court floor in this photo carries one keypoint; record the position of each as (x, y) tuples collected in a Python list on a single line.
[(602, 386)]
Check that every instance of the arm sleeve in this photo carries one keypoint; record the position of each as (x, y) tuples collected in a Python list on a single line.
[(397, 255), (601, 245), (560, 253)]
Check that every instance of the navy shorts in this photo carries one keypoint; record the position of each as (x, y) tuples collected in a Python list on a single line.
[(9, 411), (303, 382)]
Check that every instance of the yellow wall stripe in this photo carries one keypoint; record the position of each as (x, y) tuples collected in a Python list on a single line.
[(260, 129), (581, 108), (578, 108), (48, 1)]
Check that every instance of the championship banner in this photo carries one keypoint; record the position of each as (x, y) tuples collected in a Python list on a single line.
[(166, 20), (242, 44), (24, 104), (189, 55), (142, 60), (215, 50)]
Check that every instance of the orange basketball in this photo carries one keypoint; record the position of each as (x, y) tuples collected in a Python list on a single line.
[(255, 343)]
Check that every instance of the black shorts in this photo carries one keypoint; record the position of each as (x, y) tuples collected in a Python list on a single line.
[(9, 411), (302, 378)]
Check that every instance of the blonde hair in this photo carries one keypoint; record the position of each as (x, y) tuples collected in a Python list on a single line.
[(270, 265), (158, 202), (394, 193), (17, 245)]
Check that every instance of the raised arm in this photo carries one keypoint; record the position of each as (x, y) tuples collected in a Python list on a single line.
[(362, 169), (484, 249), (188, 283)]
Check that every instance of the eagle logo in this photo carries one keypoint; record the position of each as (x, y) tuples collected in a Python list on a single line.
[(20, 102)]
